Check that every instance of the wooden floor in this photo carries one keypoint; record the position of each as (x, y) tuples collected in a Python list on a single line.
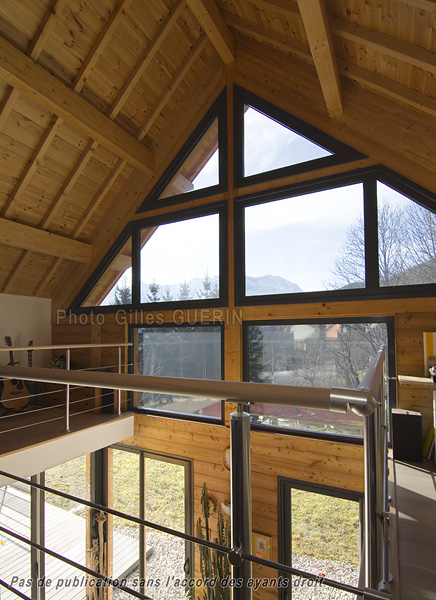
[(414, 504), (31, 428), (66, 534)]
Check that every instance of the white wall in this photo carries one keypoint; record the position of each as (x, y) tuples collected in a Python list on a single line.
[(23, 319)]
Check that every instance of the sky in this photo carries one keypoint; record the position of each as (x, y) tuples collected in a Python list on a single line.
[(278, 234)]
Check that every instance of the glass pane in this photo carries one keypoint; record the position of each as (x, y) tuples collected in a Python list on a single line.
[(200, 169), (301, 244), (15, 559), (317, 355), (65, 528), (407, 240), (180, 261), (125, 499), (270, 145), (193, 352), (325, 541), (115, 285), (165, 505)]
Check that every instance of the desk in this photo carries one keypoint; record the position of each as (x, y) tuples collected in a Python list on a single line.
[(421, 382)]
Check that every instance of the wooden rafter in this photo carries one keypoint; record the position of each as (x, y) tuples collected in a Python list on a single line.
[(389, 87), (47, 277), (286, 7), (18, 235), (100, 44), (21, 72), (262, 34), (16, 272), (146, 58), (316, 24), (213, 24), (409, 53), (180, 75)]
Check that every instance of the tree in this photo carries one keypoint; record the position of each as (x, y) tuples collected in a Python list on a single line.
[(153, 296), (255, 353), (167, 297), (184, 291), (210, 289), (406, 248), (123, 294)]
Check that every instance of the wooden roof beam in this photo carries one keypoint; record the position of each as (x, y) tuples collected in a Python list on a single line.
[(213, 24), (22, 73), (316, 23), (30, 238), (409, 53)]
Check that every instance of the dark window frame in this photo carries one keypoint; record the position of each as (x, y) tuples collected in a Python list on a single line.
[(217, 110), (133, 230), (372, 290), (165, 413), (390, 368), (342, 153), (284, 524)]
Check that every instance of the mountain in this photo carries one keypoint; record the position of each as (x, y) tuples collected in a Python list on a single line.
[(270, 284)]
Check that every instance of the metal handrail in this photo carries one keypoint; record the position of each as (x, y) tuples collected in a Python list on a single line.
[(62, 347), (366, 401), (339, 400)]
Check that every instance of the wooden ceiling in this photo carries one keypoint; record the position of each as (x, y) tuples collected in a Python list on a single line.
[(97, 96)]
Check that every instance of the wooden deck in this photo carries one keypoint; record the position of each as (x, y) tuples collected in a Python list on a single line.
[(65, 534), (413, 489)]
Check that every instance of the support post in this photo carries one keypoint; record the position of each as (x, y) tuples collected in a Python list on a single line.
[(371, 504), (37, 535), (119, 391), (67, 392), (241, 500)]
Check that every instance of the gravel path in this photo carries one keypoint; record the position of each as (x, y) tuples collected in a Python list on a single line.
[(165, 566)]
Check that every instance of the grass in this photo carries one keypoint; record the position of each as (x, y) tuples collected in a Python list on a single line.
[(325, 527), (322, 526)]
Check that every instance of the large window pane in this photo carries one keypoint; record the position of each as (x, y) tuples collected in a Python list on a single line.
[(317, 355), (169, 351), (300, 244), (180, 261), (15, 558), (406, 240), (323, 538)]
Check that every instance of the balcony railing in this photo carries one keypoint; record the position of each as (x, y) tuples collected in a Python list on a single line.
[(367, 401)]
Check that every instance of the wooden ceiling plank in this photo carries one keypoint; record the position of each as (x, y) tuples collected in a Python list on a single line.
[(146, 58), (409, 53), (69, 183), (15, 273), (389, 87), (99, 196), (215, 27), (286, 7), (262, 34), (21, 72), (180, 75), (422, 4), (35, 50), (31, 166), (46, 28), (100, 44), (39, 290), (18, 235), (7, 105), (316, 24)]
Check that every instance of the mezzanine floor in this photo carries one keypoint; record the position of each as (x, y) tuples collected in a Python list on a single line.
[(413, 488)]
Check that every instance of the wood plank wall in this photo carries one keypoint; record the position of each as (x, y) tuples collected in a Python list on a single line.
[(273, 455)]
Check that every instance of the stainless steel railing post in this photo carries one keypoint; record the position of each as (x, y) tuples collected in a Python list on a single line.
[(67, 391), (119, 391), (241, 501), (369, 437)]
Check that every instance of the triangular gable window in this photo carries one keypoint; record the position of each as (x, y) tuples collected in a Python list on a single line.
[(114, 287), (270, 143), (200, 168)]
